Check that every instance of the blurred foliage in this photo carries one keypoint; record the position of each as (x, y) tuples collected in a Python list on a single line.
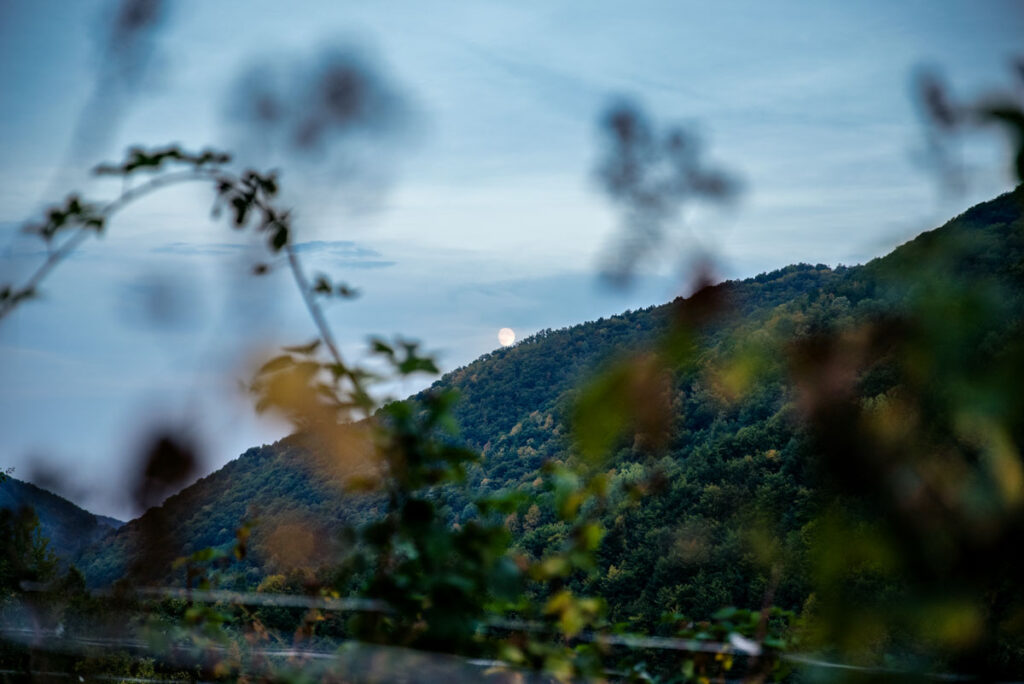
[(949, 119), (652, 173)]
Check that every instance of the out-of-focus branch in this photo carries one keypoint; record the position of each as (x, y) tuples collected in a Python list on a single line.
[(315, 312), (14, 297)]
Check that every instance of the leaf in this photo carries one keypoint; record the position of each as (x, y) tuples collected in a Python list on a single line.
[(379, 346), (280, 238), (553, 566), (347, 292), (322, 285), (276, 364), (362, 483), (590, 536), (602, 412), (241, 208), (724, 613), (267, 183), (305, 349), (417, 364)]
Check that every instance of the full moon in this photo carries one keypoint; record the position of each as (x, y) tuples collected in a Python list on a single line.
[(506, 336)]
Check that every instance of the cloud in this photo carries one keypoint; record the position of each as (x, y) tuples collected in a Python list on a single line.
[(196, 249), (344, 253)]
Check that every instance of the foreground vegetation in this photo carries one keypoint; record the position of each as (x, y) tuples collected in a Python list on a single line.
[(813, 473), (758, 459)]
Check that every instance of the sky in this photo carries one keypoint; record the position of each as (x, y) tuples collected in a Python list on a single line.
[(478, 210)]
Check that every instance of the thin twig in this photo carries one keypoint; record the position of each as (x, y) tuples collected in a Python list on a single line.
[(154, 184), (314, 309), (129, 195), (68, 247), (53, 258)]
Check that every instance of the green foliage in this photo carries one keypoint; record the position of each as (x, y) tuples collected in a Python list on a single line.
[(68, 528), (24, 553)]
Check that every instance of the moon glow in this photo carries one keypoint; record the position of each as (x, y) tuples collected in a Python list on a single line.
[(506, 336)]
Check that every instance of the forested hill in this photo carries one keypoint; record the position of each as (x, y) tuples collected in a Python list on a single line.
[(507, 387), (68, 527), (734, 442)]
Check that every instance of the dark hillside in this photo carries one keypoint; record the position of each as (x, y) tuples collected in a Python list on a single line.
[(68, 527), (281, 486)]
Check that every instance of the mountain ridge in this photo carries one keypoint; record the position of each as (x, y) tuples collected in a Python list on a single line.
[(514, 409), (68, 527)]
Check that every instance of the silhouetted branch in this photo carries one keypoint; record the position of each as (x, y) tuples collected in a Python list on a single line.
[(315, 312), (11, 298)]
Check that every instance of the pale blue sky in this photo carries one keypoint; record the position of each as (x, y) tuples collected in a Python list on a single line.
[(490, 216)]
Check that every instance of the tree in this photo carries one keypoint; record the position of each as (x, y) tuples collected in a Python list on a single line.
[(25, 556)]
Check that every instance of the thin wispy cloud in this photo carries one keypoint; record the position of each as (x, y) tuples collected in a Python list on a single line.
[(342, 253), (195, 249), (345, 253)]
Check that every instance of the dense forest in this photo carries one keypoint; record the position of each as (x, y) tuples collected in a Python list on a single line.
[(726, 508), (67, 527)]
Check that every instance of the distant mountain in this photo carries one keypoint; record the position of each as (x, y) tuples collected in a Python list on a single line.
[(681, 549), (68, 527)]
